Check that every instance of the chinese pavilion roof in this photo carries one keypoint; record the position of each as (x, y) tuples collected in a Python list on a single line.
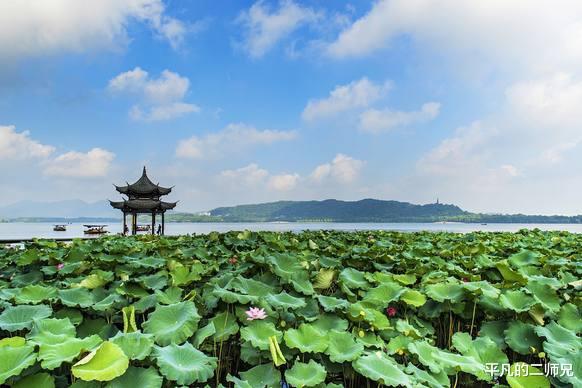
[(143, 187), (143, 205)]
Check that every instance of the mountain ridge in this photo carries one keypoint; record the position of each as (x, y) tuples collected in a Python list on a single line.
[(328, 210)]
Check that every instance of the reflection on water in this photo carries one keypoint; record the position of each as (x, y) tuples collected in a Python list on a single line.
[(24, 230)]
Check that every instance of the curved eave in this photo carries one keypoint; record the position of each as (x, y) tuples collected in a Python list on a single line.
[(168, 205)]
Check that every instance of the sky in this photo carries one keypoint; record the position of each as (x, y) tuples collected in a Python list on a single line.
[(477, 103)]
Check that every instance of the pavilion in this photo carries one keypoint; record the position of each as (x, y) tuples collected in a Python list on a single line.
[(143, 197)]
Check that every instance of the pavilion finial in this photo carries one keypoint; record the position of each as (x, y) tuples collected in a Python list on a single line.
[(144, 170)]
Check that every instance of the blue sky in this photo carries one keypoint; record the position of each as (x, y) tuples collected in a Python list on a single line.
[(246, 101)]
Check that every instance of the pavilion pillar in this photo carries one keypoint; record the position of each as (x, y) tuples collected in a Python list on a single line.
[(153, 222), (134, 224), (124, 223), (163, 224)]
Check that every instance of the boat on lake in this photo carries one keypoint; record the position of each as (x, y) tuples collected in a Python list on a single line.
[(95, 229), (142, 228), (60, 228)]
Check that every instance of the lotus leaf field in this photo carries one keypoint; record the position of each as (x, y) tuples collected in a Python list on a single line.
[(329, 309)]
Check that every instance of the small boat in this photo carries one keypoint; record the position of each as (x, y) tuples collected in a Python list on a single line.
[(60, 228), (142, 228), (95, 229)]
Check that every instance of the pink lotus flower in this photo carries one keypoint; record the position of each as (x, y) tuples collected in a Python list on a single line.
[(60, 266), (255, 313), (391, 311)]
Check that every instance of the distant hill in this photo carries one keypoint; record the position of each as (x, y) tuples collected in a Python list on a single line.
[(329, 210), (366, 210), (60, 209)]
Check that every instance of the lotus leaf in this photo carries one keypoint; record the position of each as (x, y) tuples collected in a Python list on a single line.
[(330, 304), (324, 279), (184, 364), (343, 346), (93, 281), (381, 368), (171, 295), (73, 315), (98, 327), (528, 377), (285, 301), (103, 364), (261, 376), (12, 341), (35, 294), (39, 380), (307, 339), (563, 347), (107, 303), (306, 374), (76, 297), (383, 294), (523, 258), (135, 345), (413, 298), (21, 317), (330, 297), (129, 324), (545, 295), (233, 297), (276, 354), (258, 333), (57, 342), (225, 326), (521, 337), (483, 350), (569, 318), (494, 330), (203, 333), (445, 291), (174, 323), (327, 322), (428, 378), (509, 274), (516, 300), (482, 288), (137, 377), (406, 279), (15, 360), (353, 278)]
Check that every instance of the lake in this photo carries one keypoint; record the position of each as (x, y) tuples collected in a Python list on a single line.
[(23, 230)]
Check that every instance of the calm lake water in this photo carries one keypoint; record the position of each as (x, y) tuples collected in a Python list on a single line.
[(44, 230)]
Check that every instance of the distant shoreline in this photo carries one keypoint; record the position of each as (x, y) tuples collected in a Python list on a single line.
[(113, 221)]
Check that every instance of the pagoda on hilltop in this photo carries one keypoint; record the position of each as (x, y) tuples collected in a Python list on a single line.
[(143, 197)]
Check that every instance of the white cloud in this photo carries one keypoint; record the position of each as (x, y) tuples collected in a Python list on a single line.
[(52, 26), (550, 101), (264, 29), (19, 145), (94, 163), (376, 121), (283, 182), (252, 177), (555, 154), (460, 153), (356, 94), (162, 98), (234, 137), (505, 34), (342, 169)]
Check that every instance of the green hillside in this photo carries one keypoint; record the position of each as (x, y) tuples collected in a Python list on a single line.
[(366, 210)]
